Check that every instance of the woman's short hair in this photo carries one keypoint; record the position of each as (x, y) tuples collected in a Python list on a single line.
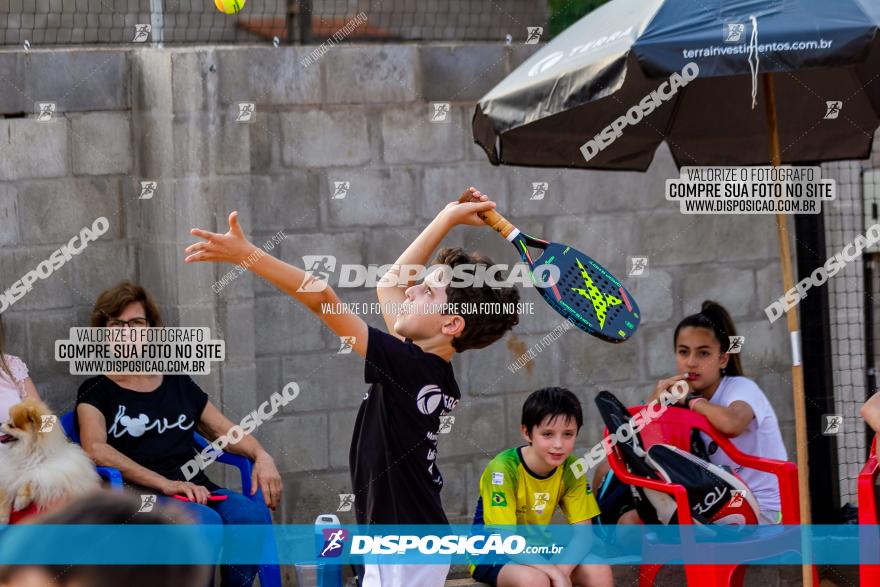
[(112, 302)]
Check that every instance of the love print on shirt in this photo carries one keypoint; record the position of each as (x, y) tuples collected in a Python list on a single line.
[(137, 426)]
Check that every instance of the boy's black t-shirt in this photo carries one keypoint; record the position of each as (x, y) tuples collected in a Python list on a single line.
[(154, 429), (394, 446)]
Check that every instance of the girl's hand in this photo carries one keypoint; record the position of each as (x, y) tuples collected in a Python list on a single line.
[(455, 213), (664, 384), (232, 247)]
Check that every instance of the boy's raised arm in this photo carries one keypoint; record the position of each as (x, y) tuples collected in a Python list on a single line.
[(393, 285), (234, 248)]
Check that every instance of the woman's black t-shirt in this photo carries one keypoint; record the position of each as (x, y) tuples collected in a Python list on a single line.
[(154, 429)]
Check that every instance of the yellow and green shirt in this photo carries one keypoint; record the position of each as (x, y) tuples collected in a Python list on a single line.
[(511, 494)]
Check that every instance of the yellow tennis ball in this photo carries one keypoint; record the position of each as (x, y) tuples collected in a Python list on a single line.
[(229, 6)]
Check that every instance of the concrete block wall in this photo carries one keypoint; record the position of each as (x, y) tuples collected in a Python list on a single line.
[(361, 114)]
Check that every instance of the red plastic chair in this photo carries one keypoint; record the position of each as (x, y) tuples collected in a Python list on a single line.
[(869, 574), (674, 427)]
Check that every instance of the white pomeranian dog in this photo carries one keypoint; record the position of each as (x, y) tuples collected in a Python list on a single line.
[(38, 465)]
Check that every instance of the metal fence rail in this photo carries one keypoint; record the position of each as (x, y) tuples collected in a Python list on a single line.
[(74, 22)]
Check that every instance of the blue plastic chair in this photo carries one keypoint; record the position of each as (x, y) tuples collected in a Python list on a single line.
[(270, 575)]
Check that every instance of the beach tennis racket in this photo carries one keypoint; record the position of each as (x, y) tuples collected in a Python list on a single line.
[(585, 293)]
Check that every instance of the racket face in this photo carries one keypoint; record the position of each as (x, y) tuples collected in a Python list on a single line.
[(586, 293)]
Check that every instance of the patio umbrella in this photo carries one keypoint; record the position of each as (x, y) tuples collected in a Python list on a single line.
[(705, 76)]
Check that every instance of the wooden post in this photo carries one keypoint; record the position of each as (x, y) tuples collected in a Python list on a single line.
[(797, 374)]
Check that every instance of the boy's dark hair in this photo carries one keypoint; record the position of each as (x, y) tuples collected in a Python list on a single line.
[(713, 316), (552, 402), (480, 330)]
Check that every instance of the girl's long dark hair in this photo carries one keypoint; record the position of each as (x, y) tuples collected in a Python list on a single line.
[(713, 316)]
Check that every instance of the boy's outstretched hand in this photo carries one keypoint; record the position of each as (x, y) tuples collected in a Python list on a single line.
[(232, 247), (456, 213)]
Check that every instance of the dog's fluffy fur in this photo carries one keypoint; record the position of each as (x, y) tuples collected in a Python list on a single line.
[(40, 468)]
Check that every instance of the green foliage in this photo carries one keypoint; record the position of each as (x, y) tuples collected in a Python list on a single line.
[(564, 13)]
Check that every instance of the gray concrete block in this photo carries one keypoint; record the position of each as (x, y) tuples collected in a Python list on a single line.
[(776, 385), (287, 201), (538, 318), (748, 237), (151, 80), (513, 403), (297, 443), (268, 376), (314, 138), (541, 192), (239, 396), (8, 215), (341, 430), (44, 328), (599, 237), (230, 141), (518, 53), (78, 80), (658, 350), (55, 211), (285, 327), (326, 380), (409, 136), (385, 244), (155, 151), (31, 149), (765, 347), (101, 143), (234, 319), (370, 74), (307, 495), (457, 493), (15, 321), (666, 235), (376, 197), (732, 288), (207, 144), (475, 430), (446, 183), (488, 371), (454, 73), (265, 142), (157, 263), (13, 98), (768, 285), (655, 294), (272, 75), (347, 247), (597, 363), (102, 265), (189, 77)]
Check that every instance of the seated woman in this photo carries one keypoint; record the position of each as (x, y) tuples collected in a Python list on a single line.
[(732, 403), (143, 425), (15, 384)]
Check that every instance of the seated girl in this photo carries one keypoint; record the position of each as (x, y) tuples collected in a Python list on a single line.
[(15, 384), (732, 403)]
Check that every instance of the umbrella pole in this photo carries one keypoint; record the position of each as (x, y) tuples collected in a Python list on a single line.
[(797, 374)]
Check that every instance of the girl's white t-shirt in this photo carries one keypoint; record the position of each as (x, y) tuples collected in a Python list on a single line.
[(761, 438), (11, 390)]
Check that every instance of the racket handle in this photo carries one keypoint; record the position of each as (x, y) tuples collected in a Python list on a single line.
[(495, 220)]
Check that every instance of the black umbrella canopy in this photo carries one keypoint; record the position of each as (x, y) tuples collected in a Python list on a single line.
[(607, 91)]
